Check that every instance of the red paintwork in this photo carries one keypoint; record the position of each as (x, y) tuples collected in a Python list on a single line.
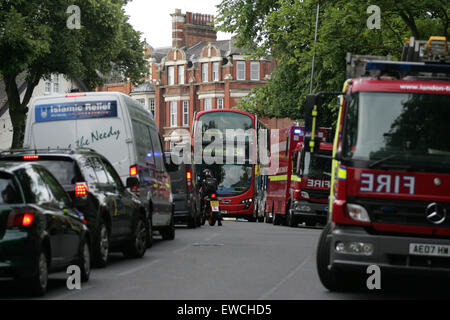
[(279, 191), (424, 187), (233, 205)]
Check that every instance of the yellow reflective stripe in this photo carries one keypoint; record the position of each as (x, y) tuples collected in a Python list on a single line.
[(342, 173), (278, 178), (296, 178)]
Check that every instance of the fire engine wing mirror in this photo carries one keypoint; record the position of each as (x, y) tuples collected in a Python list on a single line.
[(313, 103), (132, 182)]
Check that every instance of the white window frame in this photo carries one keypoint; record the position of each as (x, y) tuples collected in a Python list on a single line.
[(216, 73), (207, 104), (171, 75), (219, 103), (240, 70), (205, 72), (254, 70), (181, 74), (51, 86), (173, 113), (185, 113)]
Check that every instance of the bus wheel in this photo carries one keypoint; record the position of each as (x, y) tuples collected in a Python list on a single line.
[(276, 219)]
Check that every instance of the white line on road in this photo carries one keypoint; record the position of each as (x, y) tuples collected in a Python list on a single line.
[(268, 293), (212, 236), (138, 268)]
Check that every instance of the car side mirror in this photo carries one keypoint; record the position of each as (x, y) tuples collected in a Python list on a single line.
[(132, 183)]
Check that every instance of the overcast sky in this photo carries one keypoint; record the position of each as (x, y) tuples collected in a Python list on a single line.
[(153, 19)]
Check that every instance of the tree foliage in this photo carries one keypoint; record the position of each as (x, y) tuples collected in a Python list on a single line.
[(285, 30), (36, 42)]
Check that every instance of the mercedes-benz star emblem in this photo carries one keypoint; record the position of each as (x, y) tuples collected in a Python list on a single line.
[(436, 214)]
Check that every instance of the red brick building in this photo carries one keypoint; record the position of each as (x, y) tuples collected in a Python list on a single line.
[(198, 73)]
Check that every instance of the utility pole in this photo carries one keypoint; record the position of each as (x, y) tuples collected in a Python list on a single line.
[(314, 54)]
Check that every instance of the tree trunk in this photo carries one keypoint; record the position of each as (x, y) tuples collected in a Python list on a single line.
[(18, 110)]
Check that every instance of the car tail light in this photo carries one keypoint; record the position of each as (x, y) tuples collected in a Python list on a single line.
[(213, 195), (81, 190), (30, 157), (133, 170), (188, 178), (20, 219)]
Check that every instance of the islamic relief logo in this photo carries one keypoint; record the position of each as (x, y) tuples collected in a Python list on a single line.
[(44, 113)]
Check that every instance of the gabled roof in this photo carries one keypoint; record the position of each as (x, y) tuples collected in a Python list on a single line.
[(144, 87)]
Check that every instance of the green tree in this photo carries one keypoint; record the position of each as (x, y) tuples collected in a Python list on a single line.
[(36, 42), (285, 30)]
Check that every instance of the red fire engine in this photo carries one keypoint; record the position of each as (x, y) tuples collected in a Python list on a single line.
[(284, 183), (390, 193)]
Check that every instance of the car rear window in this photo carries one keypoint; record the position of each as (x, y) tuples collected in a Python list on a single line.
[(66, 171), (9, 193)]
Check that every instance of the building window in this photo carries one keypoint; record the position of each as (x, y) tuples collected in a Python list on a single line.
[(219, 103), (141, 101), (240, 72), (185, 112), (254, 70), (173, 114), (205, 77), (208, 104), (151, 106), (180, 74), (216, 71), (51, 85), (171, 75)]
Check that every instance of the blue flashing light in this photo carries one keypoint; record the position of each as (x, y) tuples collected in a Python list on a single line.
[(297, 131), (149, 155), (407, 66)]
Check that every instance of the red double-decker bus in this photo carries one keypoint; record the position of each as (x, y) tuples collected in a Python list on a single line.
[(226, 141)]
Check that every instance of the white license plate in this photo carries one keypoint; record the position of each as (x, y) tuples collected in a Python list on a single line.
[(224, 212), (422, 249)]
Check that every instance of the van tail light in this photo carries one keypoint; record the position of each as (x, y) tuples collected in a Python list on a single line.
[(189, 178), (133, 170), (30, 157), (20, 219), (81, 190)]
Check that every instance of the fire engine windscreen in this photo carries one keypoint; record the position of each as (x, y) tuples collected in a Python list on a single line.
[(316, 165), (392, 129)]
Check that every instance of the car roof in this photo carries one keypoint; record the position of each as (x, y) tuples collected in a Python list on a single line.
[(70, 153), (11, 166)]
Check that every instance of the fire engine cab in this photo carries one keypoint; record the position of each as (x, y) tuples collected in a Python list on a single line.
[(390, 190)]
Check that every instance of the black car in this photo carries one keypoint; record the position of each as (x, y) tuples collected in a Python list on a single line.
[(115, 216), (185, 196), (40, 230)]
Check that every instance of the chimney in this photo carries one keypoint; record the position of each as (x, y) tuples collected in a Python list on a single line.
[(198, 27), (178, 20)]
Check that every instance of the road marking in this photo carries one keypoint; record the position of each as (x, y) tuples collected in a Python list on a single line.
[(138, 268), (212, 236), (182, 248), (286, 278)]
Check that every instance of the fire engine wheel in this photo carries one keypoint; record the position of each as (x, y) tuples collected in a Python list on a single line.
[(332, 279), (276, 219)]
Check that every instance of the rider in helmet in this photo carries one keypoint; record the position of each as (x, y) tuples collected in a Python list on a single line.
[(208, 186)]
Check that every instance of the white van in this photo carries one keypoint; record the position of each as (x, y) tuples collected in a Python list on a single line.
[(119, 128)]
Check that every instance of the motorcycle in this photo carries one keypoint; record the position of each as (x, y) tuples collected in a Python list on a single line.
[(211, 210)]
